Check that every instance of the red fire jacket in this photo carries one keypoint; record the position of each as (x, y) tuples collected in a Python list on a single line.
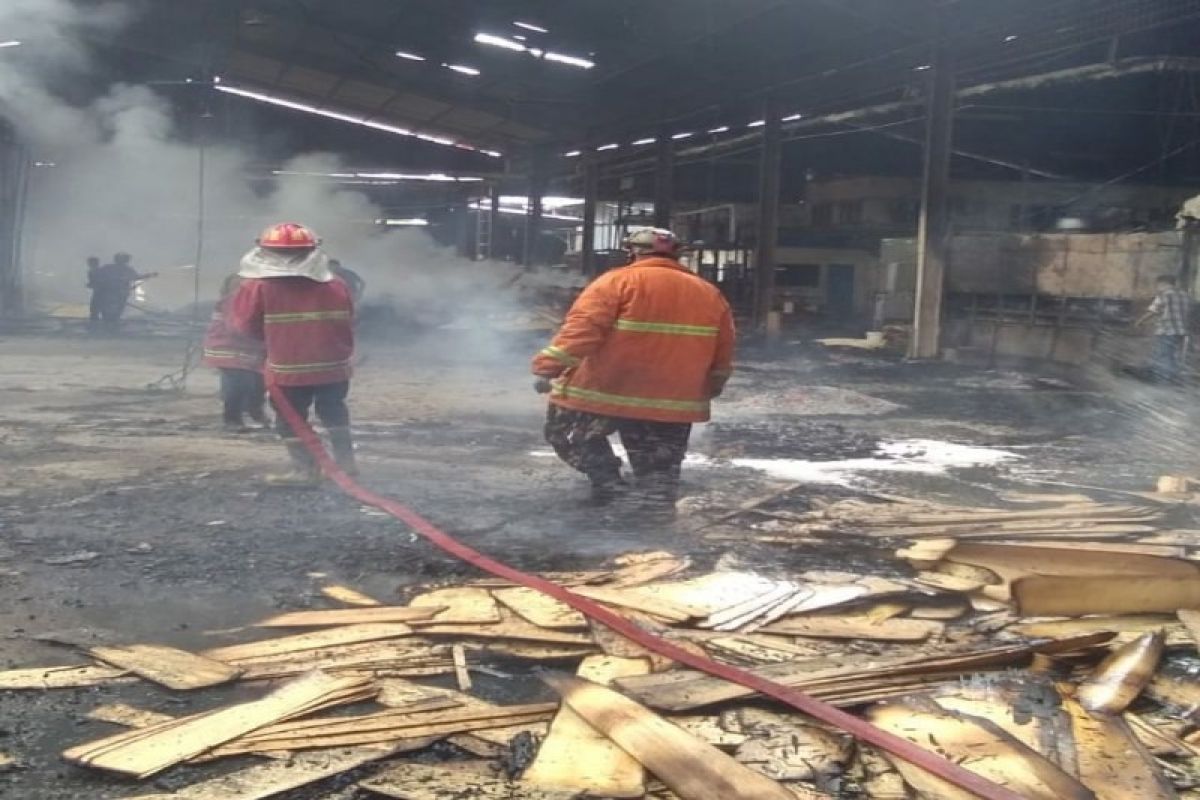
[(308, 328), (225, 348)]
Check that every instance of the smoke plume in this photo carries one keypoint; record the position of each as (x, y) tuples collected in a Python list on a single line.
[(125, 179)]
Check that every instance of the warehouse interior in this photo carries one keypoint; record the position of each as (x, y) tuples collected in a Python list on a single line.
[(938, 540)]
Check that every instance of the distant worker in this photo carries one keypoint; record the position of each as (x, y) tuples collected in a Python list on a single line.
[(111, 287), (291, 301), (1171, 311), (642, 352), (352, 279), (93, 267), (239, 358)]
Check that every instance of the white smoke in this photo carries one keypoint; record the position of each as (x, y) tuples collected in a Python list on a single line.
[(124, 179)]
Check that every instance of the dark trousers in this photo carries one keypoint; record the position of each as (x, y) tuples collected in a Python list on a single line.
[(656, 449), (329, 398), (107, 307), (1168, 357), (243, 392)]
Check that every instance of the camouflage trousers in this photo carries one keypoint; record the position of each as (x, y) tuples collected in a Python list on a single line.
[(655, 449)]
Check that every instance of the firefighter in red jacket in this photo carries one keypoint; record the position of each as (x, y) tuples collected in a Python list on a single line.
[(239, 359), (292, 302)]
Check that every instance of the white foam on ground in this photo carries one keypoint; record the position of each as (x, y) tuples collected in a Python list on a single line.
[(690, 460), (917, 456), (920, 456)]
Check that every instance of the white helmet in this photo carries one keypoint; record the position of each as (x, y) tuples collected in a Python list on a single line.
[(652, 241)]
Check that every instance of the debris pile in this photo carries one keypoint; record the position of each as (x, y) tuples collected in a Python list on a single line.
[(1037, 645)]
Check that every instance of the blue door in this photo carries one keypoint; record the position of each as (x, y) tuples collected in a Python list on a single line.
[(839, 291)]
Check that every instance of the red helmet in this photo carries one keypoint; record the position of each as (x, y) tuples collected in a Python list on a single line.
[(652, 241), (288, 236)]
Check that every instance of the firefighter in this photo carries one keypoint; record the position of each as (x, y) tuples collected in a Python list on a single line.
[(642, 352), (112, 286), (239, 359), (358, 286), (291, 301)]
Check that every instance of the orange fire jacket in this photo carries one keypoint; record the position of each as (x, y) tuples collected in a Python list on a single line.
[(648, 341)]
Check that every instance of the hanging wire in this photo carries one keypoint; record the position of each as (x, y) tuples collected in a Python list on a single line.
[(177, 381)]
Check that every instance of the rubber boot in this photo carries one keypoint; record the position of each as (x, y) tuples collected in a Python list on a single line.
[(304, 471), (607, 487), (657, 494), (342, 444)]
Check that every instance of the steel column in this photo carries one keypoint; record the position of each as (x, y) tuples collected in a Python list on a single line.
[(14, 181), (493, 213), (664, 180), (533, 207), (591, 196), (768, 214), (933, 228)]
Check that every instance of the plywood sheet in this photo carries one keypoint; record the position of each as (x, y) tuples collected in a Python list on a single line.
[(978, 746), (691, 768), (463, 605), (540, 609), (168, 666), (324, 618), (273, 778), (1112, 762), (856, 627), (348, 596), (59, 677), (147, 751), (575, 757), (348, 634), (1046, 596)]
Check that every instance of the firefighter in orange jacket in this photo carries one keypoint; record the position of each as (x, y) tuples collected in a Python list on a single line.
[(642, 352), (292, 302)]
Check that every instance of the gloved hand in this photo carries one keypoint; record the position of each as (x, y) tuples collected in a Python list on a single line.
[(542, 386)]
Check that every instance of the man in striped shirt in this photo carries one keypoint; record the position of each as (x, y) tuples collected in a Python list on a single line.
[(1171, 311)]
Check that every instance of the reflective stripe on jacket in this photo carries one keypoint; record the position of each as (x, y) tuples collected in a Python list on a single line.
[(308, 328), (648, 341)]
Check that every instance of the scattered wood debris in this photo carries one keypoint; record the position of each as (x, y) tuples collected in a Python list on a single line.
[(576, 757), (693, 769), (348, 596), (1120, 677), (148, 751), (1030, 642)]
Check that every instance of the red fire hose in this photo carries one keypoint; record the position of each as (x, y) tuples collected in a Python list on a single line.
[(861, 729)]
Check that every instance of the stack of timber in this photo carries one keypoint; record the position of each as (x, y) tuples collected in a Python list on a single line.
[(1065, 517), (1044, 664)]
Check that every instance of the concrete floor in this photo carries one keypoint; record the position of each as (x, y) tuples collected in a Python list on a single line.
[(187, 541)]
